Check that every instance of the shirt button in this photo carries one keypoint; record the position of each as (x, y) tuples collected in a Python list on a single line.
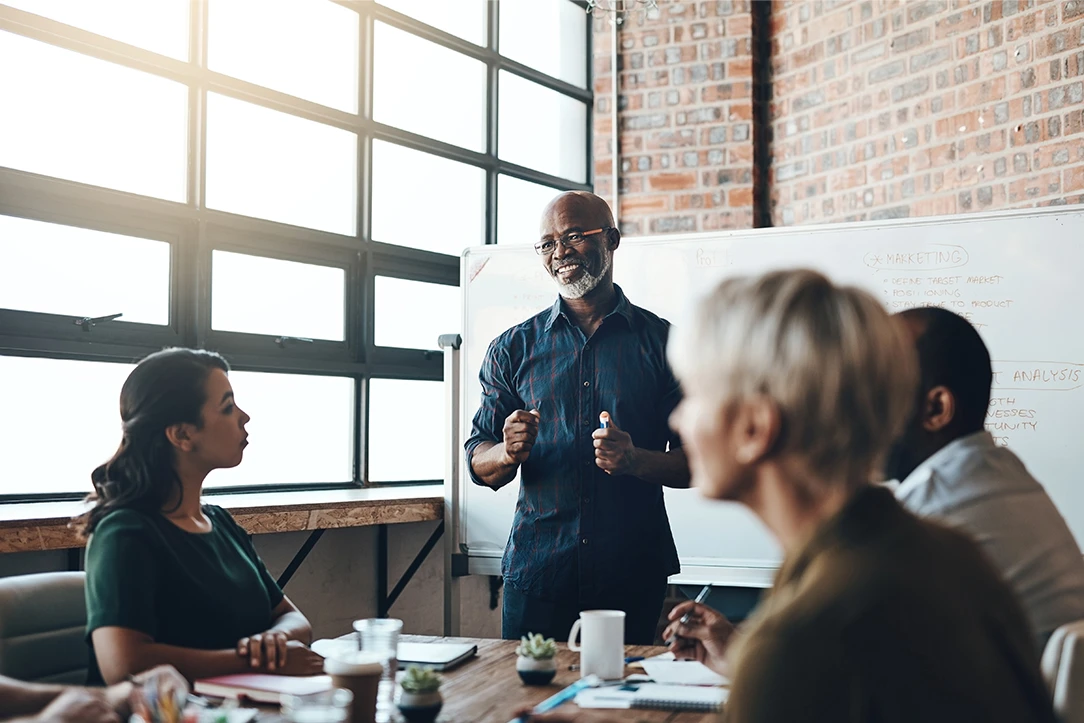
[(587, 384), (587, 500), (584, 541)]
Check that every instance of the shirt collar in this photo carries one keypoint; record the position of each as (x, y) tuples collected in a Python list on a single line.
[(921, 474), (623, 308)]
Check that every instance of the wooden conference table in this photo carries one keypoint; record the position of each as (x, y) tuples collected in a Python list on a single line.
[(487, 689)]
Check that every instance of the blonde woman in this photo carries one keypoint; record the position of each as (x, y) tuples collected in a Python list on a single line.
[(794, 390)]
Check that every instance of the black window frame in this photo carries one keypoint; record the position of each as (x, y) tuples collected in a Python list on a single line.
[(194, 231)]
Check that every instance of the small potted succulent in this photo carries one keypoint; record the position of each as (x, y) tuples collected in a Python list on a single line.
[(535, 659), (420, 700)]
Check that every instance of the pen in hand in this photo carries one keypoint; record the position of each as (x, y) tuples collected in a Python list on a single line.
[(688, 616)]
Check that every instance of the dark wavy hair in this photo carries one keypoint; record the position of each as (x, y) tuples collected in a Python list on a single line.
[(164, 389)]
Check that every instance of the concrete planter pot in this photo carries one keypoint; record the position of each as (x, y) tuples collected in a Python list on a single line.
[(536, 671), (420, 707)]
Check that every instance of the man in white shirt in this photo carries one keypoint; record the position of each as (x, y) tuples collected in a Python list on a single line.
[(952, 470)]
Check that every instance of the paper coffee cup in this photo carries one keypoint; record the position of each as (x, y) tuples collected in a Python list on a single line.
[(359, 673)]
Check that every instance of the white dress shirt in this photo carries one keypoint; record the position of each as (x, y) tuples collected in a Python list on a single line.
[(986, 491)]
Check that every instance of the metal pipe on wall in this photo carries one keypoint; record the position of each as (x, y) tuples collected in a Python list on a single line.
[(615, 159)]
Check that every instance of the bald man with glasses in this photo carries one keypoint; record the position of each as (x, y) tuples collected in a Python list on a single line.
[(590, 528)]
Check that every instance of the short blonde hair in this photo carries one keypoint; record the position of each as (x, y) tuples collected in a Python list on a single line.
[(841, 371)]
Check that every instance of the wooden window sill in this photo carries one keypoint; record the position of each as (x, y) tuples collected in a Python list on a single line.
[(35, 526)]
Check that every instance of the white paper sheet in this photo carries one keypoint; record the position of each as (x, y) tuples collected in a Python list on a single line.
[(682, 672)]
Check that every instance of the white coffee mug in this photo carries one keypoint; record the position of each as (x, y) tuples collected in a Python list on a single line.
[(602, 651)]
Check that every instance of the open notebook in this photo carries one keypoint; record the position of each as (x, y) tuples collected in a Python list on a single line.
[(655, 696)]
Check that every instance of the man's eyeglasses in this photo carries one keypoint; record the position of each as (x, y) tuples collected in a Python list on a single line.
[(572, 239)]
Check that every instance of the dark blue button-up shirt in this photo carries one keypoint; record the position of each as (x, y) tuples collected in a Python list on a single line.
[(578, 531)]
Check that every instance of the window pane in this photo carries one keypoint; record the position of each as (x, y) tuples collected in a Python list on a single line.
[(414, 79), (396, 405), (302, 430), (542, 129), (454, 200), (519, 209), (412, 314), (272, 165), (56, 269), (160, 26), (548, 35), (61, 411), (86, 120), (304, 48), (463, 18), (259, 295)]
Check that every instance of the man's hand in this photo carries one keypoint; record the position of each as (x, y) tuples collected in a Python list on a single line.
[(705, 637), (520, 432), (302, 660), (614, 451), (78, 705), (264, 651)]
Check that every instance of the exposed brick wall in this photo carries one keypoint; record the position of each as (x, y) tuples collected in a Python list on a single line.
[(881, 109), (888, 109), (685, 112)]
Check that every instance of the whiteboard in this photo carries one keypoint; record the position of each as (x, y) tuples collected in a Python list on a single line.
[(1016, 275)]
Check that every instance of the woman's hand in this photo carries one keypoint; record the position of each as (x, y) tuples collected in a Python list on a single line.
[(265, 651), (273, 652), (705, 637), (302, 660)]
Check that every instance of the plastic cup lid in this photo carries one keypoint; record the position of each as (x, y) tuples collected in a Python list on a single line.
[(360, 663)]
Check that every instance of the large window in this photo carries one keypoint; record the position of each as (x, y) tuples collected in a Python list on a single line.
[(287, 182)]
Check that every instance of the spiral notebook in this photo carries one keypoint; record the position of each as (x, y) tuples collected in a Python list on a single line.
[(679, 697), (654, 696)]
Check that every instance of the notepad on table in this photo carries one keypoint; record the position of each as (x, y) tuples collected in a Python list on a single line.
[(682, 672), (654, 696), (440, 656), (261, 687), (437, 655), (679, 697)]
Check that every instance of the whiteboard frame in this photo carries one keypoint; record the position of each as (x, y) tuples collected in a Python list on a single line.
[(716, 571)]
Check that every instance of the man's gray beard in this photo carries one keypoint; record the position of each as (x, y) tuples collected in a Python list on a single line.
[(586, 283)]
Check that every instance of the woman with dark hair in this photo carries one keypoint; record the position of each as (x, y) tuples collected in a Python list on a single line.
[(170, 580)]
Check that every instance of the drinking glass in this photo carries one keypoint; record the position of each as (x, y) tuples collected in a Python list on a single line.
[(380, 636)]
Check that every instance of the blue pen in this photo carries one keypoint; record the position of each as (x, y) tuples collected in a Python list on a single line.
[(604, 420), (591, 681)]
